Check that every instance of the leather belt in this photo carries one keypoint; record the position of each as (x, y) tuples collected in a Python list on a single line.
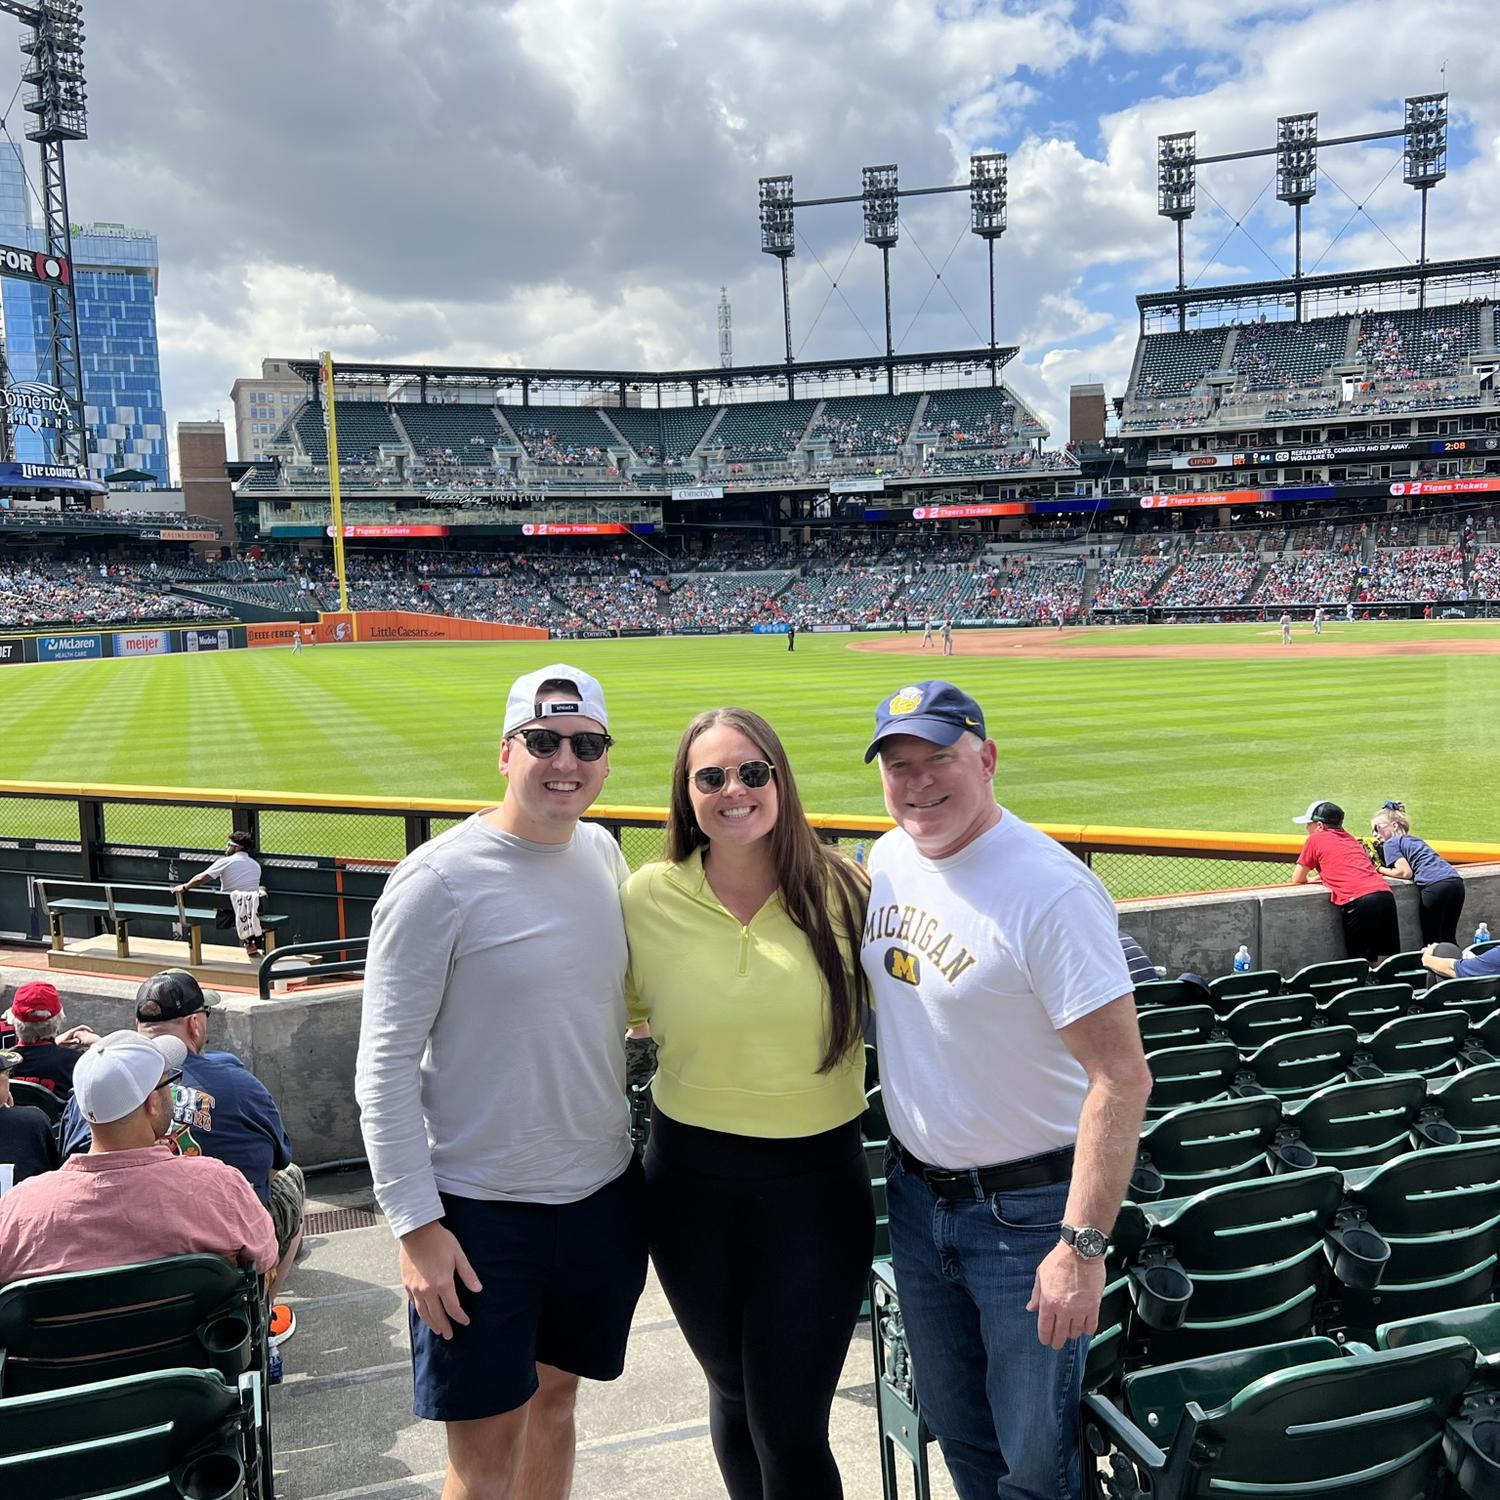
[(979, 1182)]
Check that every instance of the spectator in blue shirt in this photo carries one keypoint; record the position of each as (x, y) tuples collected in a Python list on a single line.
[(1440, 888), (1454, 965)]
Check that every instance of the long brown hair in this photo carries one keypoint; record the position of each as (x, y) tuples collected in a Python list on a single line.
[(811, 876)]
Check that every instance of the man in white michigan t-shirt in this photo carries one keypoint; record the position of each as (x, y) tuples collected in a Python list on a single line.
[(1014, 1080)]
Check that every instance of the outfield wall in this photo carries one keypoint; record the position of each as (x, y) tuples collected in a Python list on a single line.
[(96, 645)]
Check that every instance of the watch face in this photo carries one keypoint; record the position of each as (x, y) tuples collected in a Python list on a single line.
[(1090, 1243)]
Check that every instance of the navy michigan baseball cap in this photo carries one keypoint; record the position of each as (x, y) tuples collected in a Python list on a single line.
[(936, 711)]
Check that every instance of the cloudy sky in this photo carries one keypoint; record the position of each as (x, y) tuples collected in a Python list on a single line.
[(561, 182)]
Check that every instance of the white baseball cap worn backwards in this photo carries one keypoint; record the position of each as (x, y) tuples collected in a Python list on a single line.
[(121, 1071), (522, 708)]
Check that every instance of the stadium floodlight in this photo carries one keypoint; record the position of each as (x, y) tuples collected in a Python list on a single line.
[(882, 208), (1177, 175), (1425, 160), (988, 194), (1297, 158), (778, 228)]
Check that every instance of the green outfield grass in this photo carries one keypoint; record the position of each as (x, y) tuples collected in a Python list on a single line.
[(1238, 745)]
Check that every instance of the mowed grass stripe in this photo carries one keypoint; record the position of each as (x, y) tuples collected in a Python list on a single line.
[(1188, 743)]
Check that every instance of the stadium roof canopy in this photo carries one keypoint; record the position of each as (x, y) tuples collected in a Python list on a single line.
[(800, 378), (1386, 287)]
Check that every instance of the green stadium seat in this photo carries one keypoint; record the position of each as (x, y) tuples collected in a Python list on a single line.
[(1243, 1263), (1190, 1075), (1401, 968), (1110, 1342), (1366, 1007), (1175, 1026), (1325, 980), (1251, 1023), (898, 1418), (1229, 989), (1294, 1420), (1476, 998), (162, 1436), (1480, 1325), (39, 1096), (1440, 1209), (1431, 1043), (1357, 1124), (1158, 992), (1469, 1103), (1300, 1062), (1204, 1145)]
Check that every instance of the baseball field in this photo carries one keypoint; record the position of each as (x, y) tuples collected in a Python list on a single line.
[(1217, 727)]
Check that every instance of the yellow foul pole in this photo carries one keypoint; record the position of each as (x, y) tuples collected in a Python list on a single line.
[(335, 498)]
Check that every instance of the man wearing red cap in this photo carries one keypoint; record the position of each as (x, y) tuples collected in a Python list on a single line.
[(46, 1058)]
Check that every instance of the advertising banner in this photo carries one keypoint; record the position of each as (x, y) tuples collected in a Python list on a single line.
[(856, 486), (698, 492), (575, 528), (1446, 486), (12, 651), (69, 647), (961, 512), (140, 643), (1226, 497), (206, 640), (362, 531), (190, 536), (279, 634)]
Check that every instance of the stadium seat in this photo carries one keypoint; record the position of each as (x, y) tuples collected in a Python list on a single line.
[(897, 1415), (1300, 1062), (39, 1096), (1252, 1022), (1190, 1075), (1243, 1264), (1401, 968), (1158, 992), (1470, 1102), (1175, 1026), (1294, 1420), (1229, 989), (1474, 997), (1325, 980), (1110, 1342), (1358, 1124), (1441, 1211), (1480, 1325), (1431, 1043), (1204, 1145), (1366, 1007), (171, 1433)]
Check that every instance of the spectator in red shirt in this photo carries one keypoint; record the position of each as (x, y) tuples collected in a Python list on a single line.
[(128, 1198), (1365, 904)]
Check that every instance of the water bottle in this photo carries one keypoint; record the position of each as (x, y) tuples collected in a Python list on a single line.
[(1482, 933), (859, 852), (1242, 960)]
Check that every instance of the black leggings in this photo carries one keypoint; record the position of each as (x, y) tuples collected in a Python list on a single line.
[(763, 1248), (1440, 905), (1371, 927)]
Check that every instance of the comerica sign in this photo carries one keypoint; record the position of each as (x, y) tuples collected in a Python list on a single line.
[(32, 404)]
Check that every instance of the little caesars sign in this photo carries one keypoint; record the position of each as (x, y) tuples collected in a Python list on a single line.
[(29, 403)]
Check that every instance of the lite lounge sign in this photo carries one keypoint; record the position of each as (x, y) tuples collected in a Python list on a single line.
[(30, 403)]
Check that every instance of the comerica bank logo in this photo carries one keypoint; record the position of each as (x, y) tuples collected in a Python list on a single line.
[(36, 405)]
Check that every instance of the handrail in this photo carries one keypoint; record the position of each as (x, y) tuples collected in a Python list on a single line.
[(1092, 837)]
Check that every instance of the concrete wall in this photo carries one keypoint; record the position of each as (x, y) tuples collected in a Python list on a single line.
[(302, 1047)]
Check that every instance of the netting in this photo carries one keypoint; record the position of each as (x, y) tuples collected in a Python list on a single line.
[(164, 826), (344, 835)]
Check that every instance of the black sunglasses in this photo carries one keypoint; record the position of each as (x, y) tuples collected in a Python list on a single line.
[(173, 1077), (752, 773), (544, 743)]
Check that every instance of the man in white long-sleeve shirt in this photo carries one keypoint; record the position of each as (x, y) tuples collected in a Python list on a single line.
[(491, 1084)]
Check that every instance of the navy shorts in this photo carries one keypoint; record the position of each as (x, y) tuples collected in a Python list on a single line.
[(560, 1286)]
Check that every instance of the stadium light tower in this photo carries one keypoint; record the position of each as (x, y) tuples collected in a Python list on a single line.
[(878, 194), (54, 76), (778, 237), (1297, 174), (1425, 161), (988, 202), (1177, 194)]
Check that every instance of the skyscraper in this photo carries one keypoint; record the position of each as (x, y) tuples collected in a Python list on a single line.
[(115, 277)]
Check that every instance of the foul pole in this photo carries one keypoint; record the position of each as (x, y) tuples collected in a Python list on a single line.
[(335, 499)]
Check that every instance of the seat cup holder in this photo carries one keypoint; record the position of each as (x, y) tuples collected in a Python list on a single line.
[(1292, 1156), (1471, 1447), (226, 1340), (212, 1476), (1437, 1132), (1161, 1291), (1146, 1183), (1359, 1256)]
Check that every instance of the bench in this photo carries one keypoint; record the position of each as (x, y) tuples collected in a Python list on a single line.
[(119, 903)]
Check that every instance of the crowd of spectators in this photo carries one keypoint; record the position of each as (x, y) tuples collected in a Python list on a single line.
[(1383, 347), (1130, 582), (1213, 582), (546, 448), (44, 594), (1484, 581), (1420, 574), (1307, 578)]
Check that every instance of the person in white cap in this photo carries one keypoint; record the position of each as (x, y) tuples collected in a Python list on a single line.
[(129, 1199), (491, 1085)]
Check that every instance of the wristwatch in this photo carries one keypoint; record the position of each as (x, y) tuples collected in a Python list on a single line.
[(1086, 1243)]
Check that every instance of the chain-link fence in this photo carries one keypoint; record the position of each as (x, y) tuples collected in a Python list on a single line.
[(340, 835), (1131, 877), (162, 825)]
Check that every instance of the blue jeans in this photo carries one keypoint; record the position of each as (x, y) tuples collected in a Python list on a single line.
[(1002, 1405)]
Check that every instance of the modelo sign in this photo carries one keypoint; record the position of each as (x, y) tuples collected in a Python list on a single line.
[(205, 640), (141, 643), (69, 647)]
